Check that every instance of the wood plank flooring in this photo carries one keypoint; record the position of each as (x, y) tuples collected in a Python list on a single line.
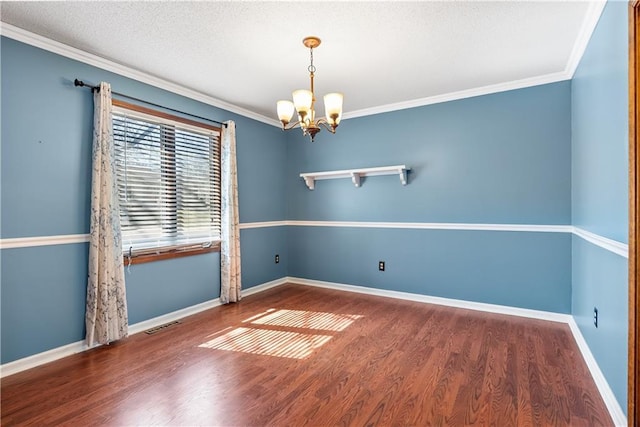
[(296, 355)]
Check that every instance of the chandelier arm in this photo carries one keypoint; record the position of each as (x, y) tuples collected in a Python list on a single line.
[(326, 125), (291, 125)]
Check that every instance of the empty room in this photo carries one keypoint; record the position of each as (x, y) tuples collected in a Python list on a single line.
[(319, 213)]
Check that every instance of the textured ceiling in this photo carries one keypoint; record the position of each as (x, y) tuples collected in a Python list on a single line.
[(377, 53)]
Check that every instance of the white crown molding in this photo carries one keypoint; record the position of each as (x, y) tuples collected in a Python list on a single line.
[(79, 346), (614, 246), (616, 412), (437, 226), (247, 225), (470, 305), (594, 11), (463, 94), (592, 16), (589, 23), (26, 242), (62, 49)]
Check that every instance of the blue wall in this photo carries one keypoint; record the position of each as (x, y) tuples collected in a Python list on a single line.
[(528, 270), (43, 297), (548, 155), (45, 189), (503, 158), (500, 158), (599, 121)]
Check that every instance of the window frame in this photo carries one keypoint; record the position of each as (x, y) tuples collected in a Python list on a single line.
[(174, 251)]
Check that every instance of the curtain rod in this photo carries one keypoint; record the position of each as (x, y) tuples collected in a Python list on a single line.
[(80, 83)]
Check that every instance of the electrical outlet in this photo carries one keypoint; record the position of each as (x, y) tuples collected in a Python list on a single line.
[(381, 265), (595, 317), (277, 259)]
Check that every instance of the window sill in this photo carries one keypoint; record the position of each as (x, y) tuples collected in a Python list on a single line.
[(174, 253)]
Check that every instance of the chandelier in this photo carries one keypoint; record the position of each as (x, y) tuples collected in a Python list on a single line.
[(304, 103)]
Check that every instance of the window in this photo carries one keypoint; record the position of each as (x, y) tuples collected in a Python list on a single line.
[(168, 172)]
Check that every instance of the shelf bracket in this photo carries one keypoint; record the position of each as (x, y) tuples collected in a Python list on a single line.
[(403, 176), (355, 177), (310, 182)]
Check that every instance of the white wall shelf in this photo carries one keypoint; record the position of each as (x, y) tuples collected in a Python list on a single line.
[(310, 178)]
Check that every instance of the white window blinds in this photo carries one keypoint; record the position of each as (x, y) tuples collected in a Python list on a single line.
[(168, 182)]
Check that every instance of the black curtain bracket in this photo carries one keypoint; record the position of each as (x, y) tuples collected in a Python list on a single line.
[(80, 83)]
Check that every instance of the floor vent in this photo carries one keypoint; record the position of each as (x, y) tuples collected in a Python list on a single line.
[(161, 327)]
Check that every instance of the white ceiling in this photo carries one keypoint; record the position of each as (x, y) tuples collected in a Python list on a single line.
[(381, 55)]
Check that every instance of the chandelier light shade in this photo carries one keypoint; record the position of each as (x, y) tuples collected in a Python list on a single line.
[(285, 111), (304, 104), (333, 108)]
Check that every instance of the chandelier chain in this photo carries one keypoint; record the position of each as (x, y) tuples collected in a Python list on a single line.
[(311, 68)]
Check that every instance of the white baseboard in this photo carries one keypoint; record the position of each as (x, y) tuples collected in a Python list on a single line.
[(264, 286), (42, 358), (173, 316), (80, 346), (479, 306), (194, 309), (615, 410)]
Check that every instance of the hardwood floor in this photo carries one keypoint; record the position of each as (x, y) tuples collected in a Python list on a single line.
[(297, 355)]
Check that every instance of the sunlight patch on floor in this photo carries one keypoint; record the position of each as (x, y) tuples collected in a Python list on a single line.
[(268, 342), (305, 319)]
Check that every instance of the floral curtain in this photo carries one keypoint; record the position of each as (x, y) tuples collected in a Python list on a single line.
[(106, 309), (230, 274)]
